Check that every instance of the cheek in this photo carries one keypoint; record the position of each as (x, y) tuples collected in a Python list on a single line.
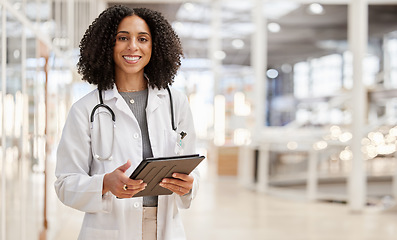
[(117, 48), (120, 46)]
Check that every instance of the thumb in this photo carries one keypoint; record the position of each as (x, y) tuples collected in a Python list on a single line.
[(124, 167)]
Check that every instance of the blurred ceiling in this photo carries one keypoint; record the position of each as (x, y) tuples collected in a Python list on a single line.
[(302, 33)]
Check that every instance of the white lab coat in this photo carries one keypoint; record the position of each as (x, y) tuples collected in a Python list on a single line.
[(80, 176)]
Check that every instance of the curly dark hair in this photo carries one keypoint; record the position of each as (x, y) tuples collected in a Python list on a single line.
[(96, 63)]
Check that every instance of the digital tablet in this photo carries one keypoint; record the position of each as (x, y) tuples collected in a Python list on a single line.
[(153, 170)]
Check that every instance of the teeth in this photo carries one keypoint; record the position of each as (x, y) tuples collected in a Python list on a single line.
[(131, 58)]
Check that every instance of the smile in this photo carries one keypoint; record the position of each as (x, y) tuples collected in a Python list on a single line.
[(132, 58)]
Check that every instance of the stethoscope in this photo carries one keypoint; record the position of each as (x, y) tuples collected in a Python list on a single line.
[(113, 117)]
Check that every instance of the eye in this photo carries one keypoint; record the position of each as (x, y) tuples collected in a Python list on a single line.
[(142, 39), (122, 38)]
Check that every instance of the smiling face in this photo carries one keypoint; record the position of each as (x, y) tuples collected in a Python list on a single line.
[(133, 47)]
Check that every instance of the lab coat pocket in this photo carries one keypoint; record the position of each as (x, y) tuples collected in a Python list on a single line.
[(99, 234), (170, 142)]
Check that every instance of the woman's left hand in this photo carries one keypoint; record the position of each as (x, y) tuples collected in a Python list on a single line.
[(180, 184)]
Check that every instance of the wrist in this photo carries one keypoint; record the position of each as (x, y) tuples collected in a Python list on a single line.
[(104, 185)]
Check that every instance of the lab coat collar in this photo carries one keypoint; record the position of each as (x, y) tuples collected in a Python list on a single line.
[(114, 93), (155, 98), (113, 96), (111, 93)]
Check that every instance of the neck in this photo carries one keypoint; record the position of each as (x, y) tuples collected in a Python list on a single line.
[(131, 83), (131, 90)]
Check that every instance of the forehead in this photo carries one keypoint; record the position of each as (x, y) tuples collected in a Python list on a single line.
[(133, 24)]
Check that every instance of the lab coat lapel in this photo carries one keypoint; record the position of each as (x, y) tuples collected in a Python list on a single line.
[(155, 99), (118, 101)]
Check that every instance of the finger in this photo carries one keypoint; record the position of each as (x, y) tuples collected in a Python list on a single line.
[(134, 186), (181, 176), (129, 192), (180, 190), (130, 181), (125, 166), (177, 182), (128, 195)]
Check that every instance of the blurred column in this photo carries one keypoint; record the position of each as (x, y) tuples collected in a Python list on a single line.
[(215, 54), (244, 170), (70, 21), (215, 43), (258, 63), (394, 181), (263, 168), (3, 202), (311, 183), (24, 166), (358, 38)]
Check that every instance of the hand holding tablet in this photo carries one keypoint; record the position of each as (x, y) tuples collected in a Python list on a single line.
[(153, 170)]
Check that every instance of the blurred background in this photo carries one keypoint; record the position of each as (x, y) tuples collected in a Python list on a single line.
[(294, 102)]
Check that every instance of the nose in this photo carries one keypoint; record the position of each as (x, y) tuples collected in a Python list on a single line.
[(133, 44)]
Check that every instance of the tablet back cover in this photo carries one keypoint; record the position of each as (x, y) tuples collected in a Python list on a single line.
[(153, 170)]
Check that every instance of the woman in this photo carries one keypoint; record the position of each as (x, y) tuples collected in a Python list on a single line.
[(131, 55)]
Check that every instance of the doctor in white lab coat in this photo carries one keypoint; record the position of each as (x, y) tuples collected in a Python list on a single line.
[(91, 184)]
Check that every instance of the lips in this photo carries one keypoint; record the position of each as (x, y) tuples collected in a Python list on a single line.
[(132, 59)]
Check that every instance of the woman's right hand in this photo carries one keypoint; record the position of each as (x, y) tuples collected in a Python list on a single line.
[(120, 185)]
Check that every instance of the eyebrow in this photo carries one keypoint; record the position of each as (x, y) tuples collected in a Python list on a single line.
[(126, 32)]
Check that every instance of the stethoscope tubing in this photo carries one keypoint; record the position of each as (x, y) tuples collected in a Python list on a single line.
[(172, 109), (101, 104)]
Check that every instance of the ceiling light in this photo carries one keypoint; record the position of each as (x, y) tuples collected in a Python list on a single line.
[(17, 5), (273, 27), (292, 145), (219, 55), (272, 73), (188, 6), (345, 137), (393, 131), (238, 43), (17, 53), (335, 132), (286, 68), (320, 145), (316, 8), (346, 155), (178, 26)]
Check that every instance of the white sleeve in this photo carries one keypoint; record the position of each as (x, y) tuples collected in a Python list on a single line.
[(75, 186)]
